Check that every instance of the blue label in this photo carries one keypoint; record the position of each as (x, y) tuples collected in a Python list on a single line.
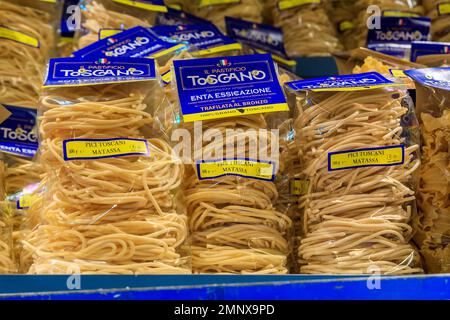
[(353, 81), (18, 133), (201, 37), (400, 30), (432, 77), (137, 42), (80, 71), (176, 17), (424, 48), (67, 19), (257, 35), (228, 86), (398, 50)]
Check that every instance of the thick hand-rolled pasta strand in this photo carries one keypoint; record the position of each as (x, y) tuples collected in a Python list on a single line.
[(22, 65), (109, 215), (6, 255), (356, 218)]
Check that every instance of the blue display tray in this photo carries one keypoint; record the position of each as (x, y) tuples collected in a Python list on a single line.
[(291, 287)]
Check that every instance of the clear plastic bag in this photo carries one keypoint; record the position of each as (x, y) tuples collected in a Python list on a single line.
[(343, 13), (306, 28), (234, 222), (112, 202), (356, 216), (433, 221), (110, 14), (438, 11), (27, 40), (250, 10)]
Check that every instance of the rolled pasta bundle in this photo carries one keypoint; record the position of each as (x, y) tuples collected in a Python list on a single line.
[(343, 13), (229, 187), (433, 220), (26, 41), (112, 204), (306, 28), (111, 14), (438, 11), (359, 163), (250, 10)]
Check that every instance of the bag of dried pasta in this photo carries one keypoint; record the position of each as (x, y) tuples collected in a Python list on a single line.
[(431, 54), (357, 150), (439, 12), (22, 175), (111, 204), (343, 13), (370, 10), (7, 265), (98, 15), (215, 11), (228, 108), (260, 38), (306, 27), (433, 109), (27, 40)]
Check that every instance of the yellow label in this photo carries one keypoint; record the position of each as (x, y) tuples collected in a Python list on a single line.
[(386, 85), (279, 59), (288, 4), (18, 37), (49, 1), (444, 8), (398, 73), (25, 201), (66, 40), (246, 168), (167, 51), (175, 6), (299, 187), (143, 5), (346, 25), (204, 3), (167, 77), (85, 149), (370, 157), (235, 112), (393, 13), (228, 47), (105, 33)]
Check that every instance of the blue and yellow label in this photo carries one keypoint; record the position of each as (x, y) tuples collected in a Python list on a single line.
[(204, 39), (245, 168), (105, 33), (424, 48), (137, 42), (369, 157), (214, 88), (19, 37), (261, 37), (80, 71), (205, 3), (18, 133), (289, 4), (353, 82), (176, 17), (432, 77), (26, 200), (88, 149), (398, 73), (151, 5)]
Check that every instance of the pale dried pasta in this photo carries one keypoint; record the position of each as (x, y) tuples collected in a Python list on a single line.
[(101, 14), (440, 23), (357, 218), (112, 215), (22, 65), (307, 30), (250, 10)]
